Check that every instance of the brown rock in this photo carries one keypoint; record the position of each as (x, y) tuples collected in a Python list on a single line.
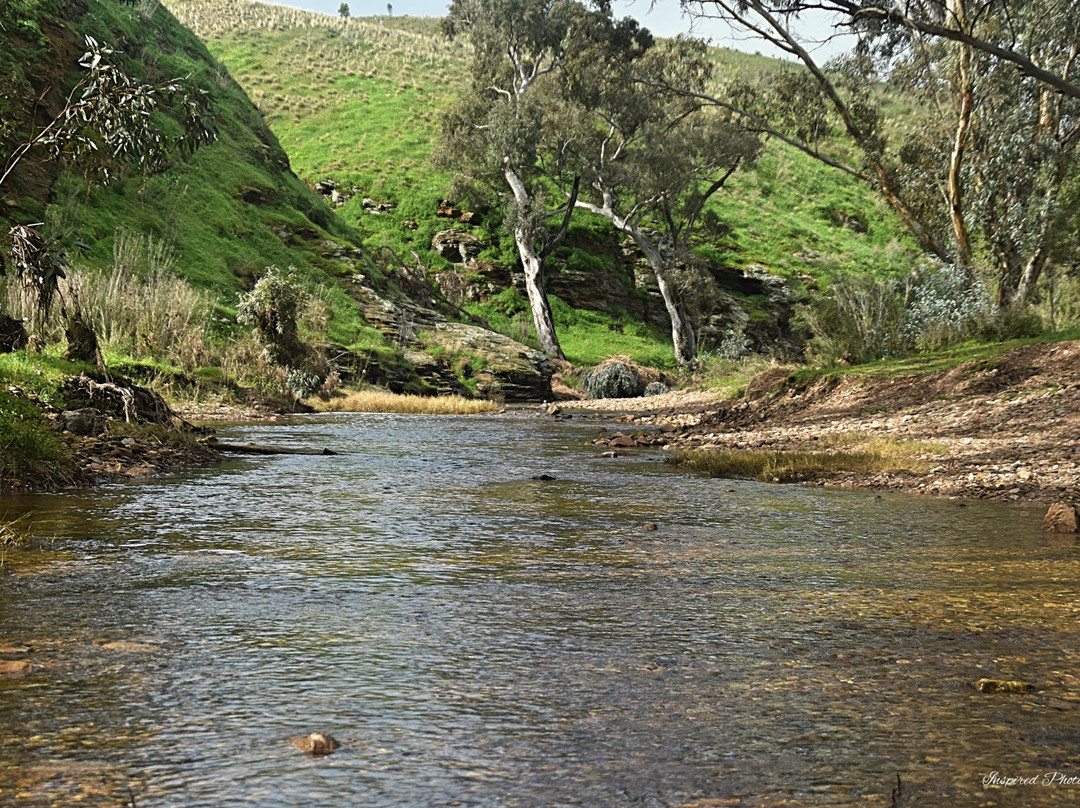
[(623, 442), (1003, 686), (16, 667), (129, 646), (317, 743), (1061, 518)]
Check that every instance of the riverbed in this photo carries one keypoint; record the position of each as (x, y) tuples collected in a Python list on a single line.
[(487, 613)]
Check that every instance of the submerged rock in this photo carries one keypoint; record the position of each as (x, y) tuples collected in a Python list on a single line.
[(1003, 686), (1061, 518), (317, 743), (16, 667)]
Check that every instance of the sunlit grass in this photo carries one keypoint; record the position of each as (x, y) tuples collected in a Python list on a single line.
[(382, 401), (867, 456)]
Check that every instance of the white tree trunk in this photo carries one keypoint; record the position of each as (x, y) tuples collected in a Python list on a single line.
[(538, 302), (682, 332), (534, 275)]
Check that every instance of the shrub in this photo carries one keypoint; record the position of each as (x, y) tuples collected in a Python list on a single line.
[(857, 320), (613, 380), (272, 309), (27, 443), (863, 319), (945, 307)]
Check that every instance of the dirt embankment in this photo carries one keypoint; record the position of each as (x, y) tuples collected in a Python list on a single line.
[(1005, 428)]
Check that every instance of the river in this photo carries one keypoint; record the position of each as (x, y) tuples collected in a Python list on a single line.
[(477, 637)]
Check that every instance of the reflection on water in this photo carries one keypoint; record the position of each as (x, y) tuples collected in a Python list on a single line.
[(476, 637)]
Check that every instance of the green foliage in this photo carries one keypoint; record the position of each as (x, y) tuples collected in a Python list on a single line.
[(27, 443), (272, 308), (861, 319), (857, 320)]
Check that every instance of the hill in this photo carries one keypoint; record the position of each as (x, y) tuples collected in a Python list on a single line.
[(356, 103), (204, 227)]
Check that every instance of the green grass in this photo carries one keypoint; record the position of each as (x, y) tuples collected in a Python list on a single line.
[(933, 361), (37, 374), (29, 446), (231, 210), (587, 337)]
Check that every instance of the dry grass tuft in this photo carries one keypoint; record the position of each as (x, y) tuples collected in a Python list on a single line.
[(382, 401), (873, 457)]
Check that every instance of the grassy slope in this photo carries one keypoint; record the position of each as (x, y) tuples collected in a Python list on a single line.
[(198, 205), (358, 101)]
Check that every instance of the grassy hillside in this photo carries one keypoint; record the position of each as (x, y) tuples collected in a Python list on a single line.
[(357, 101), (223, 215)]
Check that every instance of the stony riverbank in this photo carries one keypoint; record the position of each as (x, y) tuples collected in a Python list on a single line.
[(1005, 428)]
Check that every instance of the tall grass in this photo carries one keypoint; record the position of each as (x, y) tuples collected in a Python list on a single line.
[(381, 401), (140, 308)]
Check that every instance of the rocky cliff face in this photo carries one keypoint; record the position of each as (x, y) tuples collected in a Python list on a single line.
[(450, 357)]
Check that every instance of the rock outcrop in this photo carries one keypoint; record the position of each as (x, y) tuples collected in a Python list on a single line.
[(450, 357)]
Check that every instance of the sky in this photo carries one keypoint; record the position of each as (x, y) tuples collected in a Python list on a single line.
[(663, 17)]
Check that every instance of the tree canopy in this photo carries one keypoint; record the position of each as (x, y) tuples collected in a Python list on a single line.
[(977, 169)]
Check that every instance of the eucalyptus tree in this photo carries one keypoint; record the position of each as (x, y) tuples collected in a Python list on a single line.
[(652, 158), (525, 55), (107, 121), (977, 171), (957, 21)]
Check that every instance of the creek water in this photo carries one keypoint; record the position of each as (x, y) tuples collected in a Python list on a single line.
[(478, 637)]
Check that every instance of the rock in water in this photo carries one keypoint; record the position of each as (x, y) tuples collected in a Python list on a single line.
[(317, 743), (1002, 686), (1061, 518)]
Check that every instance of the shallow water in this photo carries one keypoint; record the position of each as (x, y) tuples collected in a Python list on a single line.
[(476, 637)]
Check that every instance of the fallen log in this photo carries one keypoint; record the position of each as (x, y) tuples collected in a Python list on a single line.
[(255, 449)]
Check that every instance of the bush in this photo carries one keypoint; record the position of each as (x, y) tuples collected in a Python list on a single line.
[(613, 380), (1014, 323), (27, 442), (863, 319), (857, 320), (945, 307), (272, 309)]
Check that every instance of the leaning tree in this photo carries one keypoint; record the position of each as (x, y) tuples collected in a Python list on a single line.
[(977, 172), (652, 156)]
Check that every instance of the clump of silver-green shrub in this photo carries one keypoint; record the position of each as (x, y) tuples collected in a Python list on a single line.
[(613, 380), (861, 319), (272, 309)]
